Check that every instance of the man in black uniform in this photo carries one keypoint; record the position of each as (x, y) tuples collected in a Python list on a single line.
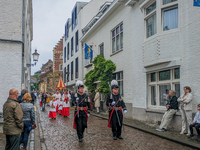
[(81, 115), (116, 105)]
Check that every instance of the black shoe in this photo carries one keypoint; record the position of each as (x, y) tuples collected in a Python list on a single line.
[(114, 138), (120, 137), (189, 137), (198, 138), (80, 140)]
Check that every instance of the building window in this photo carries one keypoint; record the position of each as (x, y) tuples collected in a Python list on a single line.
[(117, 38), (119, 77), (76, 45), (68, 51), (72, 46), (160, 83), (61, 67), (61, 56), (65, 55), (64, 75), (74, 18), (72, 70), (67, 30), (168, 1), (170, 19), (101, 48), (168, 14), (76, 69), (68, 73), (151, 20)]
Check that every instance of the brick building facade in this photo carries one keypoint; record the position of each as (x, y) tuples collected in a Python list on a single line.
[(58, 56)]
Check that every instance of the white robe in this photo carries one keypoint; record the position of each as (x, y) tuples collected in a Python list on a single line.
[(54, 104), (64, 103), (60, 104)]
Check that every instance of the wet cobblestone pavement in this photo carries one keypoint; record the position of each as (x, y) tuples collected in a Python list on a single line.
[(59, 135)]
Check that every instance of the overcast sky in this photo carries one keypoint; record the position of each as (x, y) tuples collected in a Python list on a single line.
[(49, 18)]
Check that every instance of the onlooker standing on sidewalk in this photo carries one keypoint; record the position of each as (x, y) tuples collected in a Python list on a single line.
[(33, 97), (91, 99), (196, 124), (44, 98), (172, 107), (28, 118), (97, 100), (24, 91), (13, 121), (186, 109)]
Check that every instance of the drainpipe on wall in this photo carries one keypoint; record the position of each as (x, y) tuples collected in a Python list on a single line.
[(23, 31)]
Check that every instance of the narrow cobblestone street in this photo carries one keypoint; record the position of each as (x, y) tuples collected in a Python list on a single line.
[(59, 134)]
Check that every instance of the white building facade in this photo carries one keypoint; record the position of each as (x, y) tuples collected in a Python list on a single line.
[(82, 13), (15, 46), (154, 44)]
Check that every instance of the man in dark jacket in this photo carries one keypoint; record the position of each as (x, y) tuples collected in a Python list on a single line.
[(33, 97), (172, 107), (44, 98), (13, 121)]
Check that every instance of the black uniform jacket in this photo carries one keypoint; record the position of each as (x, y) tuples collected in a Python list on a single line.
[(118, 101), (82, 100)]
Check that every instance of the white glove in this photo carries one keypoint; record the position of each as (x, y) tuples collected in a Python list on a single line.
[(113, 103), (125, 111), (88, 114)]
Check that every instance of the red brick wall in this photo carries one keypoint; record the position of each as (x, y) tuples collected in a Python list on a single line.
[(58, 51)]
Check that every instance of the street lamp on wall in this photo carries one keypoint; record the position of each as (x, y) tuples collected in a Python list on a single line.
[(35, 59)]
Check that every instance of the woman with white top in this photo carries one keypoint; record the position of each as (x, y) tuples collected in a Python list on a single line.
[(186, 109)]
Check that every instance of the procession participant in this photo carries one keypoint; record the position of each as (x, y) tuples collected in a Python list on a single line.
[(52, 110), (116, 105), (60, 104), (66, 104), (58, 99), (48, 98), (41, 99), (81, 115)]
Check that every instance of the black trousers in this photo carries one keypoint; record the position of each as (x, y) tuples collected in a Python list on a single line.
[(116, 127), (12, 142), (43, 106), (197, 126), (81, 123)]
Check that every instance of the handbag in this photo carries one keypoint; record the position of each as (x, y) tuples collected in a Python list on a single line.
[(34, 125)]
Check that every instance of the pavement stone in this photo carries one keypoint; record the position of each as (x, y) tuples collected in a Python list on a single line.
[(59, 135)]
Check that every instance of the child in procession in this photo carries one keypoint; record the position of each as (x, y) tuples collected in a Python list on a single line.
[(52, 110)]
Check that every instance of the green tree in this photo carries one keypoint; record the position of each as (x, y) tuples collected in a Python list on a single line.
[(102, 72)]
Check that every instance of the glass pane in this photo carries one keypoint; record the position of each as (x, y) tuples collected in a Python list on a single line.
[(168, 1), (121, 40), (113, 33), (121, 27), (153, 77), (151, 8), (121, 75), (164, 94), (151, 26), (117, 30), (122, 88), (114, 76), (177, 89), (164, 75), (170, 19), (177, 73), (118, 76), (113, 45), (153, 95), (117, 42)]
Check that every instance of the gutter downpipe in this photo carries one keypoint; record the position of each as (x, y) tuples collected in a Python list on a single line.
[(23, 32)]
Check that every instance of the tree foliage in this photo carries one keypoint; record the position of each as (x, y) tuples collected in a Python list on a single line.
[(102, 72)]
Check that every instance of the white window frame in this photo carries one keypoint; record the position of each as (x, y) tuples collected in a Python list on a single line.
[(159, 11), (171, 82), (115, 37), (100, 48)]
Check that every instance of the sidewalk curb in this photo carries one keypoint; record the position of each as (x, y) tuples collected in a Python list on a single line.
[(185, 143)]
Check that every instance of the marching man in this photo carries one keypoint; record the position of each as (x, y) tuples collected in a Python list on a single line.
[(66, 105), (52, 110), (116, 106), (60, 107), (81, 115)]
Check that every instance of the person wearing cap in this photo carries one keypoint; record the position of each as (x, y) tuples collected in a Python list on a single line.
[(116, 109), (80, 101)]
